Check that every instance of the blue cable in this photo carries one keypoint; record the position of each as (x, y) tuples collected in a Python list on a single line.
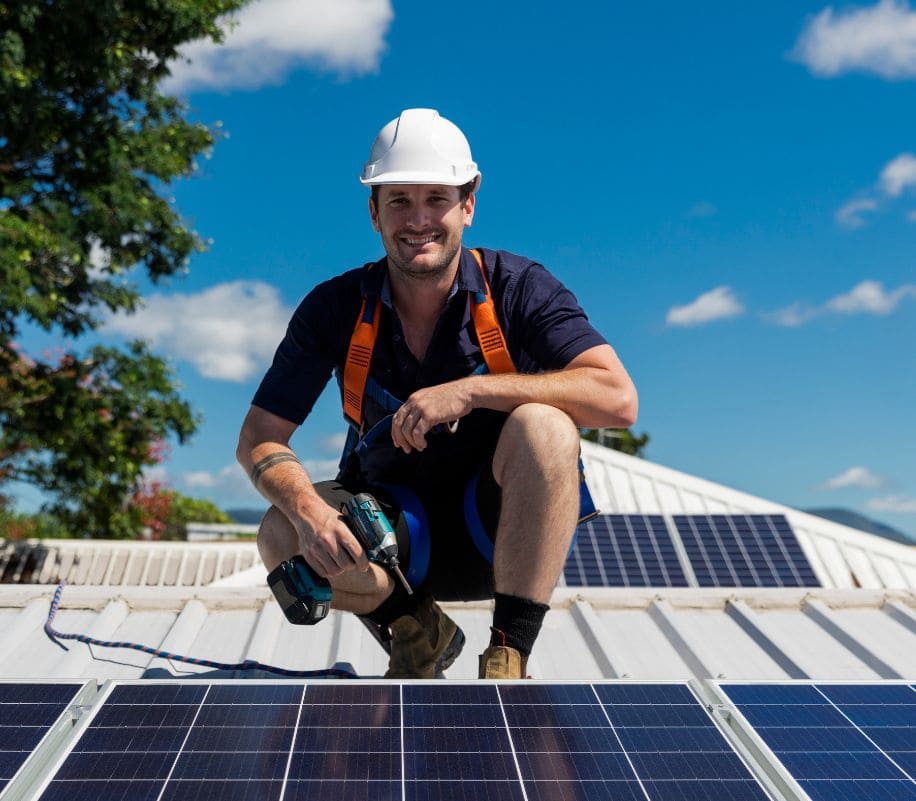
[(248, 664)]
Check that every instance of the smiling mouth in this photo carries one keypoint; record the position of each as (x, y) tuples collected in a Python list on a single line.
[(419, 241)]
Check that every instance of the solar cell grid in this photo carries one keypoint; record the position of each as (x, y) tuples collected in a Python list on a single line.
[(744, 551), (407, 742), (27, 711), (624, 551), (854, 742)]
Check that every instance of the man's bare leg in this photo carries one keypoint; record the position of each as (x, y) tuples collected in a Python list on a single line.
[(535, 464), (355, 591)]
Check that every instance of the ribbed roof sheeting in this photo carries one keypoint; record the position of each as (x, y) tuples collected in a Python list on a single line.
[(122, 563), (842, 557), (596, 633)]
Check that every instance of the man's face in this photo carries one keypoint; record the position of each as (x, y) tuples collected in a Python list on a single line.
[(421, 227)]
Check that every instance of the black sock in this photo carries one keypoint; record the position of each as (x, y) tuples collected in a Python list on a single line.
[(397, 604), (517, 622)]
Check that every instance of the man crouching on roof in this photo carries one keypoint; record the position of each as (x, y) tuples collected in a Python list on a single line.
[(467, 376)]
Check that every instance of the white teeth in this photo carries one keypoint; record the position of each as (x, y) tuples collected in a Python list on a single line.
[(419, 240)]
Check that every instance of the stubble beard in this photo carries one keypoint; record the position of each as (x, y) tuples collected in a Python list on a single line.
[(425, 272)]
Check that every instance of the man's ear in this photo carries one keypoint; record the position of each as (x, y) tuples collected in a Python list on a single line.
[(373, 215), (469, 205)]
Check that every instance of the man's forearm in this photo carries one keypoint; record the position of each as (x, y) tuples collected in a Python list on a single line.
[(591, 396), (279, 476)]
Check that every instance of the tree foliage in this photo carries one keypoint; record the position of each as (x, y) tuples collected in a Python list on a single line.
[(166, 513), (622, 440), (89, 144)]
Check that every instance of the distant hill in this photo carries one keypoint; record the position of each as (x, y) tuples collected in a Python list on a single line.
[(853, 519), (246, 516)]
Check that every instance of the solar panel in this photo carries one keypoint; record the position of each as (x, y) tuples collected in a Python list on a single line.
[(624, 551), (371, 741), (851, 742), (27, 712), (744, 551)]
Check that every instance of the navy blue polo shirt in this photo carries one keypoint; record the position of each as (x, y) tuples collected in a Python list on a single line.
[(543, 324)]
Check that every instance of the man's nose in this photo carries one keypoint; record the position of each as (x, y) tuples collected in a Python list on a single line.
[(418, 217)]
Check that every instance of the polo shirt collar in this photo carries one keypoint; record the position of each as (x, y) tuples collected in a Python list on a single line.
[(468, 278)]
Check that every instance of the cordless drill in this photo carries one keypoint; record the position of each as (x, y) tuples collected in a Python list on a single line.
[(303, 595)]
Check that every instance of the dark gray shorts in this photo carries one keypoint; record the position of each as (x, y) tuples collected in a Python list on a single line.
[(453, 559)]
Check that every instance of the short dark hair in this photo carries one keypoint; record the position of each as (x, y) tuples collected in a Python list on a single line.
[(464, 191)]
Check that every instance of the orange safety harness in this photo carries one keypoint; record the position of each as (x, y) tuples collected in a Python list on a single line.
[(495, 354), (362, 342)]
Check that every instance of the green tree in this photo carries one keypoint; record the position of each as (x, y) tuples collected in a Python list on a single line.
[(166, 513), (622, 440), (89, 144)]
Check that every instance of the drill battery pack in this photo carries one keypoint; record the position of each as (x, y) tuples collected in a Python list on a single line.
[(303, 595)]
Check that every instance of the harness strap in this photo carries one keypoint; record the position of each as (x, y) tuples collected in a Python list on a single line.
[(356, 382), (489, 334), (359, 357)]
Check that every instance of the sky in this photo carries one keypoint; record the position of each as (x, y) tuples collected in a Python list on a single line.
[(729, 189)]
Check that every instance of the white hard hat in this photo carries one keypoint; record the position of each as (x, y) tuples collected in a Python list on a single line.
[(420, 147)]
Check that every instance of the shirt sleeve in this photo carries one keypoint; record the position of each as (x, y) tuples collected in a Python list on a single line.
[(552, 325), (305, 358)]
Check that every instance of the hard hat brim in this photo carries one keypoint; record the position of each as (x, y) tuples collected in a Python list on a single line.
[(437, 179)]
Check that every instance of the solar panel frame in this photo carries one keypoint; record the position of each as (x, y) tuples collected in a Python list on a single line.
[(754, 550), (624, 550), (381, 773), (23, 753), (845, 736)]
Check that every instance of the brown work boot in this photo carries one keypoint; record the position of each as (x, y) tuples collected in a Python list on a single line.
[(423, 643), (502, 662)]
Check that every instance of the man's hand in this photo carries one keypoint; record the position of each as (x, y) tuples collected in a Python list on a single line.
[(328, 545), (427, 408)]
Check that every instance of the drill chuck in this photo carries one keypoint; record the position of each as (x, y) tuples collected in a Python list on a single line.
[(373, 530)]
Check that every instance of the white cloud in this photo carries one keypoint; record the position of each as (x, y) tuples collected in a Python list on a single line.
[(792, 316), (880, 39), (869, 297), (716, 304), (334, 443), (898, 174), (228, 332), (229, 484), (232, 479), (156, 474), (270, 38), (899, 504), (850, 215), (854, 477)]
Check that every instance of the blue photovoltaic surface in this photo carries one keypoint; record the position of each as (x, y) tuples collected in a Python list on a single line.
[(744, 551), (424, 742), (850, 742), (27, 711), (624, 551)]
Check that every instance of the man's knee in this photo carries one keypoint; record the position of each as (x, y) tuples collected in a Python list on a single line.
[(274, 536), (538, 433)]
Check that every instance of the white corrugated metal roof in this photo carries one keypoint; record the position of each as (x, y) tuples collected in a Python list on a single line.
[(840, 556), (123, 562), (593, 633), (838, 632)]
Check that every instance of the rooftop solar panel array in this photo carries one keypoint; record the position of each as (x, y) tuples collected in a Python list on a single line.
[(744, 551), (377, 741), (624, 551), (840, 742), (27, 712)]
